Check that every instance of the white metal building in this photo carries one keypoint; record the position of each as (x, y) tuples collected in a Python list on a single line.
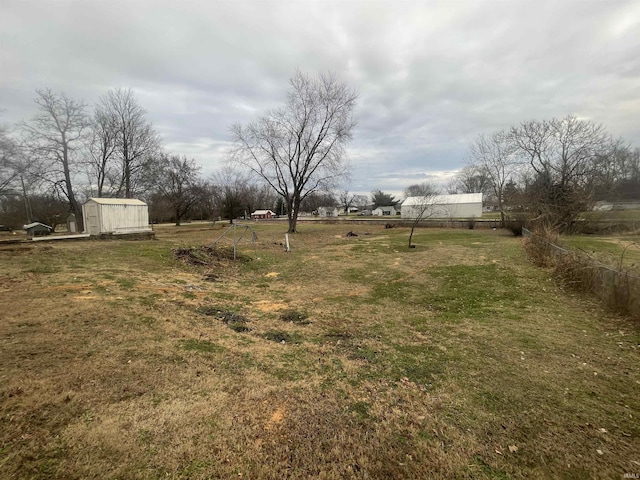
[(115, 215), (460, 205)]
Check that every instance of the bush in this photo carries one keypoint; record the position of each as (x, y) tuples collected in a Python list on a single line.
[(516, 224)]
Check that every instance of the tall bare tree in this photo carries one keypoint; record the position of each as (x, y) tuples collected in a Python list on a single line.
[(494, 156), (562, 154), (136, 140), (102, 169), (300, 147), (53, 138), (9, 171)]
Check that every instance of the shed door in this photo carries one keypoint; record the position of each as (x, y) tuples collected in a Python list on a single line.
[(93, 226)]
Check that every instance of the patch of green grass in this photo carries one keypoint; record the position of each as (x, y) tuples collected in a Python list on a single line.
[(44, 268), (202, 346), (294, 316), (473, 291), (361, 409), (613, 251), (421, 364), (126, 283)]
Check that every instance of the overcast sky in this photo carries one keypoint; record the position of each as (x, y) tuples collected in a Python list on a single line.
[(431, 75)]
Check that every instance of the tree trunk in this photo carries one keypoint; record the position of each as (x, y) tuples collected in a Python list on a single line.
[(411, 235), (293, 209)]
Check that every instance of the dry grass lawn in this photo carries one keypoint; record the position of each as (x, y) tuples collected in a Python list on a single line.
[(350, 357)]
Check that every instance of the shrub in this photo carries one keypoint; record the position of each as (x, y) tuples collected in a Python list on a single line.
[(516, 224)]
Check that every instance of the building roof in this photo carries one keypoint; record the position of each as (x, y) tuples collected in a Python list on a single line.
[(387, 208), (262, 212), (35, 224), (116, 201), (455, 199)]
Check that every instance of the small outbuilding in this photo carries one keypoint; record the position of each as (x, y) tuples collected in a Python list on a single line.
[(37, 229), (328, 212), (461, 205), (262, 215), (383, 211), (115, 216)]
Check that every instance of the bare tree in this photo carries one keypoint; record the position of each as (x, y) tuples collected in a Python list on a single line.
[(315, 200), (137, 142), (472, 178), (9, 171), (178, 182), (53, 137), (422, 198), (300, 147), (102, 149), (230, 191), (494, 156), (562, 155), (346, 200)]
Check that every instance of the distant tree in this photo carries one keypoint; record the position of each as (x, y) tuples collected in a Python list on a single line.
[(230, 191), (562, 154), (315, 200), (280, 206), (360, 201), (53, 138), (136, 140), (617, 173), (102, 151), (9, 170), (472, 178), (512, 195), (381, 199), (178, 183), (493, 157), (424, 196), (299, 148), (346, 200)]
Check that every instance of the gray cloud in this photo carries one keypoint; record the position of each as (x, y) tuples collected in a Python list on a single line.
[(431, 75)]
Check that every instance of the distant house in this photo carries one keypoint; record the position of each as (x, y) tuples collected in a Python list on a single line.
[(384, 211), (461, 205), (262, 215), (115, 216), (328, 212), (37, 229)]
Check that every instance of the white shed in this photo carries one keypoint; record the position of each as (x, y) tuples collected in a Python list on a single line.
[(115, 215), (460, 205), (328, 212)]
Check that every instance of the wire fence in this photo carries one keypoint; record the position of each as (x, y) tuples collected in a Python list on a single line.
[(618, 288)]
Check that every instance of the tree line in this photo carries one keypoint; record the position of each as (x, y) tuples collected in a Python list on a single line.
[(289, 159), (284, 160), (51, 163), (551, 169)]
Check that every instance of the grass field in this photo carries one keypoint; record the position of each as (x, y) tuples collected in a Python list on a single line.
[(618, 251), (349, 357)]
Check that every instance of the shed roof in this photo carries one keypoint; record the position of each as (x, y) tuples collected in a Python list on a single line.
[(35, 224), (457, 199), (116, 201), (262, 212)]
